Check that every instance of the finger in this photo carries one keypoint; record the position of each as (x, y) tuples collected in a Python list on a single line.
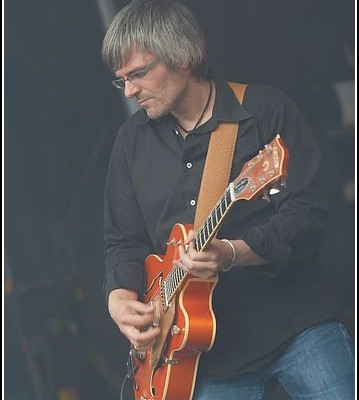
[(180, 264), (191, 247), (139, 321), (182, 252), (143, 339), (140, 308), (191, 236)]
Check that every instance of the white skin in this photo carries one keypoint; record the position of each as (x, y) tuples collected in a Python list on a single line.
[(161, 92)]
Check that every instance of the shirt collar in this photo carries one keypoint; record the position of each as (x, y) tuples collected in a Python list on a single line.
[(227, 108)]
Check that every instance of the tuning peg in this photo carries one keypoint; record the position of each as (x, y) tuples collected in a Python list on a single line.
[(277, 187), (273, 191)]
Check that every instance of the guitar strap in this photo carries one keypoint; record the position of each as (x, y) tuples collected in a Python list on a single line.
[(218, 163)]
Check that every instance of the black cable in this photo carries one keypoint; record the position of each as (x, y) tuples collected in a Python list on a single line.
[(130, 373), (123, 387)]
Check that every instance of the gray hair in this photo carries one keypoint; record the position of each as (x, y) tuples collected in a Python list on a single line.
[(165, 28)]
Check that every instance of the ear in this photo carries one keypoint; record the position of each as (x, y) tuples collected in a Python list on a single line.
[(186, 68)]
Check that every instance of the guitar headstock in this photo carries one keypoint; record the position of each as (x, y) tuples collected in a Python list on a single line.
[(266, 171)]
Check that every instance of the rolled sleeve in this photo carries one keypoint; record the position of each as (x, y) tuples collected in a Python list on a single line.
[(294, 232)]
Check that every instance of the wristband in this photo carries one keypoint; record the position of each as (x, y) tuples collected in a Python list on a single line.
[(234, 255)]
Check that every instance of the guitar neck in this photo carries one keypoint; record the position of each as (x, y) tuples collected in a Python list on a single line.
[(206, 233), (211, 225)]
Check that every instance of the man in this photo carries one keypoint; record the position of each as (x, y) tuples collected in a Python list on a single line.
[(274, 320)]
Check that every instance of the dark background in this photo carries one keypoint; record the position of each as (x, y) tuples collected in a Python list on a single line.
[(61, 117)]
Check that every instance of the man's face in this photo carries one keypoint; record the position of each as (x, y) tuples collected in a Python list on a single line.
[(158, 90)]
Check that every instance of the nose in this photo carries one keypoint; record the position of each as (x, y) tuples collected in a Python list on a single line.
[(131, 89)]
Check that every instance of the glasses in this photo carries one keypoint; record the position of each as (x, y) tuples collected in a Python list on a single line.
[(120, 83)]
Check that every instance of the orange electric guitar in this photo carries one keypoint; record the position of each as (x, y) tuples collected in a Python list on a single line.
[(182, 302)]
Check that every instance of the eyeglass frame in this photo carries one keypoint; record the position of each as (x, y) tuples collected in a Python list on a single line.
[(120, 83)]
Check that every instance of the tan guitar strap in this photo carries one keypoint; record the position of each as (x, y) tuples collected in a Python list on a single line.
[(218, 163)]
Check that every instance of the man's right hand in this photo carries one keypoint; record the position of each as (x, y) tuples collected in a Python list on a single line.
[(133, 318)]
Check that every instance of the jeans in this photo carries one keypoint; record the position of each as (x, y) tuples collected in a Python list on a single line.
[(317, 365)]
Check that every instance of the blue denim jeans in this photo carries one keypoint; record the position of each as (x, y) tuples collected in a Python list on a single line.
[(317, 365)]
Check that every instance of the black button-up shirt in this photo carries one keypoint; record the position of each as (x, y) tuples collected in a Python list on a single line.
[(153, 182)]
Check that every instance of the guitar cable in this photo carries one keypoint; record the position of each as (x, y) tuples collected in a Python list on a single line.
[(130, 374), (123, 387)]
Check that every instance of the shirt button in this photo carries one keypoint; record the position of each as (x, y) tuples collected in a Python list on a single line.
[(189, 165), (192, 202)]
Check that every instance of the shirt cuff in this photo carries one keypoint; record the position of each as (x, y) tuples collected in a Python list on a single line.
[(275, 251), (130, 276)]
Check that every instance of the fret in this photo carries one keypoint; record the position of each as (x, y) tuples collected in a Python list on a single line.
[(204, 235), (170, 291), (218, 216), (165, 285), (222, 202), (177, 276), (228, 195), (225, 202), (204, 238), (174, 281), (208, 231), (215, 214), (196, 244), (220, 207), (170, 286), (199, 246), (183, 273), (200, 240), (211, 218)]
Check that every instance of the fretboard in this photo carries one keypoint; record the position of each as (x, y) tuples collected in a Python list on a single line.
[(211, 225), (205, 234)]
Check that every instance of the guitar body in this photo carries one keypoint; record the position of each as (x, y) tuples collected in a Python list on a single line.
[(168, 369)]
